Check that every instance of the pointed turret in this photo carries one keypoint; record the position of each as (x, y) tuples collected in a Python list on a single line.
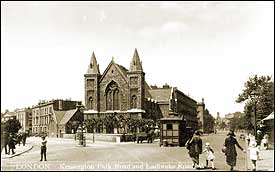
[(93, 67), (136, 63)]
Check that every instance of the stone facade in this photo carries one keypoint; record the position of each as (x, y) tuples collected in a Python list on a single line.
[(206, 122), (47, 115), (122, 91), (24, 116)]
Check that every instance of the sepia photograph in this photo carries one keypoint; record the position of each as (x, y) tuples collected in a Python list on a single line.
[(137, 86)]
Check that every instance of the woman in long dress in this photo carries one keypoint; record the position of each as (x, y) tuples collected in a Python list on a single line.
[(230, 152)]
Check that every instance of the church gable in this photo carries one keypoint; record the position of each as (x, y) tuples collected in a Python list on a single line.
[(113, 75), (113, 71)]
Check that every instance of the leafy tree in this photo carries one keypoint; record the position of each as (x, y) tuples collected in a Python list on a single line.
[(90, 124), (222, 125), (263, 86), (12, 126)]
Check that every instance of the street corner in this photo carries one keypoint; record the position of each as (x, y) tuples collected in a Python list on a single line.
[(18, 151)]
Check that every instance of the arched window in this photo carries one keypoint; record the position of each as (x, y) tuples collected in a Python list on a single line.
[(109, 100), (116, 99), (134, 102), (112, 96), (91, 103)]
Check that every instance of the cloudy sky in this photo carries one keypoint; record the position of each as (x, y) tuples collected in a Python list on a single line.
[(205, 49)]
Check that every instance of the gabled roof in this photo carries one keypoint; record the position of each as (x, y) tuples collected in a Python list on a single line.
[(59, 115), (161, 94), (147, 92), (9, 114), (68, 115), (120, 68), (123, 69)]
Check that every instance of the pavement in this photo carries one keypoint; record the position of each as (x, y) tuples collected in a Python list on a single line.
[(266, 161), (143, 156), (18, 150)]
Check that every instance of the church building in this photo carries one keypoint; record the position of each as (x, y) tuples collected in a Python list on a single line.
[(119, 91)]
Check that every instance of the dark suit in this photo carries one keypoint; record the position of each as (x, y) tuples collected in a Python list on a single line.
[(195, 148)]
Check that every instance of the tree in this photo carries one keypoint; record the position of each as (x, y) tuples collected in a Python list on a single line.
[(12, 126), (222, 125), (90, 124), (264, 101)]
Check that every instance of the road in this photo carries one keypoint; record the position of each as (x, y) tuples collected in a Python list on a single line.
[(65, 154)]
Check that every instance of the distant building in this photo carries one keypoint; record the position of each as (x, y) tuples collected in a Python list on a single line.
[(218, 121), (125, 92), (227, 118), (206, 121), (47, 115), (24, 116), (2, 115), (8, 115)]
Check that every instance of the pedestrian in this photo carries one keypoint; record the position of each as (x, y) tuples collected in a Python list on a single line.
[(19, 138), (230, 150), (209, 155), (265, 141), (248, 138), (24, 137), (259, 137), (6, 141), (194, 145), (254, 154), (11, 143), (43, 148)]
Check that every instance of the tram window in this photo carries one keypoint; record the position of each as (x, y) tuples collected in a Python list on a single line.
[(169, 126)]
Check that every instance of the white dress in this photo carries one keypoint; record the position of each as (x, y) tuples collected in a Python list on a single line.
[(265, 139), (209, 154), (253, 153)]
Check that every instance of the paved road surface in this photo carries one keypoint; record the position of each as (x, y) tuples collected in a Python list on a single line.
[(64, 154)]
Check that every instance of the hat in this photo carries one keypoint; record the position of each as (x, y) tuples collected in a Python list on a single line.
[(231, 133), (207, 144)]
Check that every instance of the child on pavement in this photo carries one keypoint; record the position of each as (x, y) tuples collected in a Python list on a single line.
[(209, 155), (43, 148), (254, 154), (265, 141)]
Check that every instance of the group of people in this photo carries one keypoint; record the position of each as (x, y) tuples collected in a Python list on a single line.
[(254, 144), (260, 139), (194, 145), (11, 139)]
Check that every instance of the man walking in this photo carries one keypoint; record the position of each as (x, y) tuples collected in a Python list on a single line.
[(194, 145), (43, 148), (5, 141), (11, 143), (24, 137)]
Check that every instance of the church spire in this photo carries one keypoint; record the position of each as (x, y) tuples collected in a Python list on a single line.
[(136, 63), (93, 67)]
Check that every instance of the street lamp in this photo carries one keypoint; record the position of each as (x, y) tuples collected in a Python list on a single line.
[(80, 109), (254, 96)]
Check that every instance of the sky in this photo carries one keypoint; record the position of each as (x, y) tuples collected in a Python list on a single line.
[(205, 49)]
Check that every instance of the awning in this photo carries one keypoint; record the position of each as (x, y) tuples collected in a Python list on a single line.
[(269, 117)]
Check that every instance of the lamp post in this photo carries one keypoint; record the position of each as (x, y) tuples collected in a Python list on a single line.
[(254, 96), (81, 138)]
